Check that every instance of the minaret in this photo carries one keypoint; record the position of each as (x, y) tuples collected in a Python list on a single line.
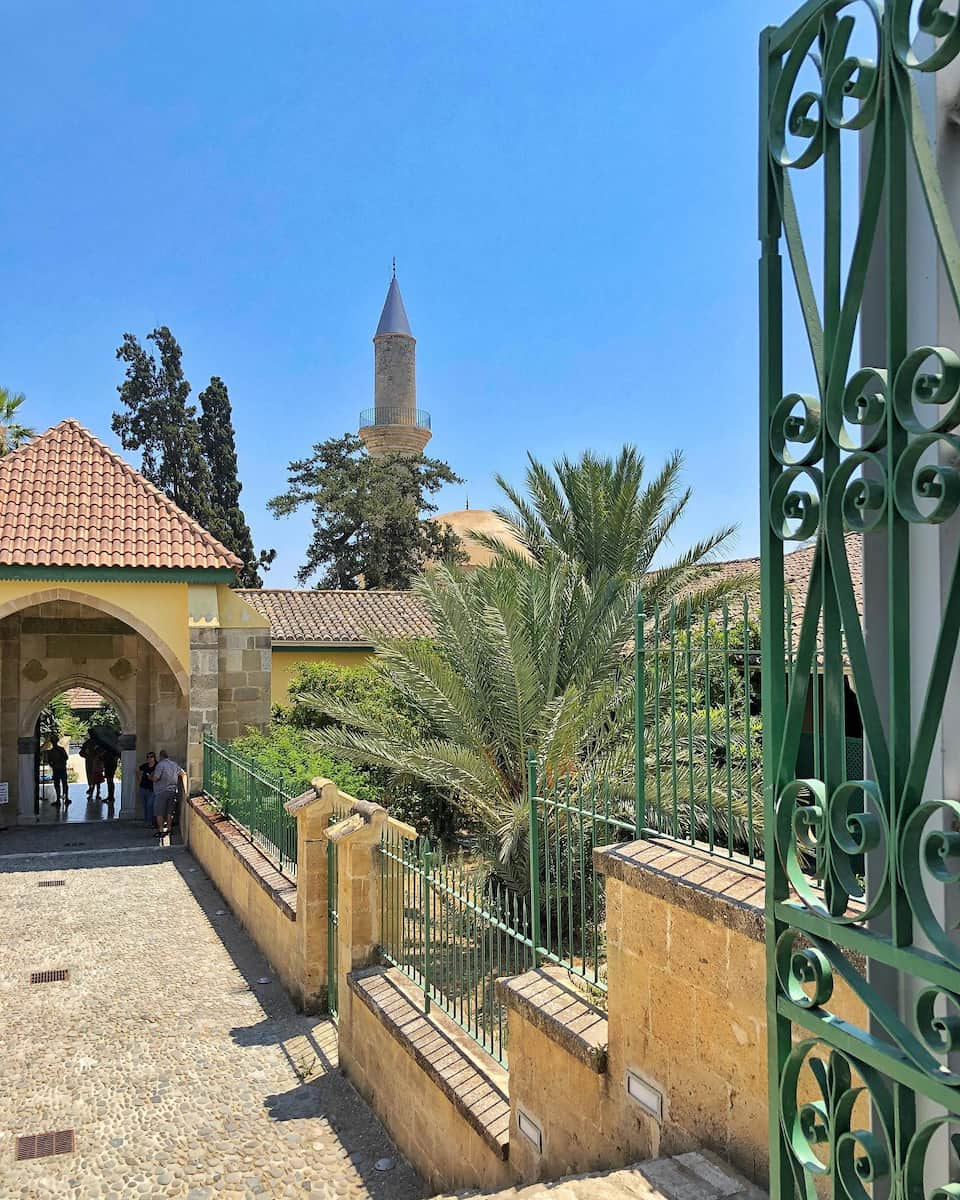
[(394, 425)]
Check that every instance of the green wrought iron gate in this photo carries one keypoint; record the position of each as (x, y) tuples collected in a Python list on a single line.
[(858, 869)]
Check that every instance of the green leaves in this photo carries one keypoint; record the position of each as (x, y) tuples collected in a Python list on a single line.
[(193, 462), (12, 433), (370, 526)]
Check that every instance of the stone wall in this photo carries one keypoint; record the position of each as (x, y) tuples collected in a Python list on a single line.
[(286, 918), (686, 969), (244, 681), (262, 900), (455, 1130), (562, 1095)]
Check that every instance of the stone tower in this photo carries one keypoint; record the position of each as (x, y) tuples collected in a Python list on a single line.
[(394, 425)]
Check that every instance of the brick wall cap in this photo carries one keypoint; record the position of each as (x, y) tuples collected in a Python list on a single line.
[(717, 889), (552, 1003), (474, 1083)]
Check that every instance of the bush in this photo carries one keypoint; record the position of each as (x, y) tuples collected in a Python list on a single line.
[(288, 754), (367, 689)]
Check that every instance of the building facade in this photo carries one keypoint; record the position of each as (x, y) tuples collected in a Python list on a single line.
[(105, 584)]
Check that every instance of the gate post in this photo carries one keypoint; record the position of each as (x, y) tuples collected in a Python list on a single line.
[(312, 812), (357, 840)]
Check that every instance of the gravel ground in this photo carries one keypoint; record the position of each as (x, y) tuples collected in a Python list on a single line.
[(181, 1074)]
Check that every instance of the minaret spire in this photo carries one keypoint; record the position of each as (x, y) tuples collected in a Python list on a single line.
[(394, 425)]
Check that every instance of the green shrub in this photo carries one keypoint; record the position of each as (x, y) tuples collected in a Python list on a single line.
[(289, 754)]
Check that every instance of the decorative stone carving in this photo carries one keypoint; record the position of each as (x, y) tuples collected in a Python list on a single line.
[(122, 669), (35, 671)]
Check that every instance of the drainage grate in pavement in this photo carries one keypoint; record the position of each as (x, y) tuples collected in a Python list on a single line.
[(51, 883), (43, 1145), (57, 975)]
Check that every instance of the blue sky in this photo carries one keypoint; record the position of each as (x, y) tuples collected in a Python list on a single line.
[(569, 191)]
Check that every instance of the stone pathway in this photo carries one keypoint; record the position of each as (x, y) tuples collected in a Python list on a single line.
[(181, 1074)]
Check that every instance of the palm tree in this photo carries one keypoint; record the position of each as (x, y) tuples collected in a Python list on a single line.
[(12, 433), (598, 513), (526, 656), (533, 651)]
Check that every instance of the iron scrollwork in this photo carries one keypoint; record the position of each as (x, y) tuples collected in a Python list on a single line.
[(872, 451)]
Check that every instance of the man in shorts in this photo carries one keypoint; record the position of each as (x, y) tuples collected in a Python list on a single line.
[(57, 758), (166, 779)]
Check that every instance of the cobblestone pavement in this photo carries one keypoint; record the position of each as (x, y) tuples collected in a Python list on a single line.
[(180, 1073)]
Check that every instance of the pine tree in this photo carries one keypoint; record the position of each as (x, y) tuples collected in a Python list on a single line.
[(370, 515), (218, 442), (161, 424)]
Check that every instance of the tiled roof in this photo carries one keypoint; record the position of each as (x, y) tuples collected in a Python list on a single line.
[(338, 618), (83, 698), (796, 575), (330, 617), (67, 500)]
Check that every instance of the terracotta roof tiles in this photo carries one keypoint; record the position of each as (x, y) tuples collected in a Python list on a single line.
[(67, 500), (338, 618)]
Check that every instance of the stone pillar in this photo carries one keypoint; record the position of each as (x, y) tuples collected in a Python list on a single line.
[(358, 899), (312, 812), (203, 699), (26, 776), (130, 806)]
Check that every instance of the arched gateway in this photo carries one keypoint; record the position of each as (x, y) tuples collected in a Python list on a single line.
[(106, 584)]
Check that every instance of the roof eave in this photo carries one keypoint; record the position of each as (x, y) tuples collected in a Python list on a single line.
[(117, 574)]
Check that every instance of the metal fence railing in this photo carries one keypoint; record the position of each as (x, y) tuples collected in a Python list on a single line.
[(454, 932), (699, 734), (568, 818), (699, 760), (395, 415), (253, 800)]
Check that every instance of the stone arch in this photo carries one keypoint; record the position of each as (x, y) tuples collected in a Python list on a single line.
[(52, 594), (31, 713)]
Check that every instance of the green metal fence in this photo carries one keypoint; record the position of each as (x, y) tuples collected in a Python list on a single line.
[(454, 932), (568, 818), (699, 776), (253, 800), (698, 688)]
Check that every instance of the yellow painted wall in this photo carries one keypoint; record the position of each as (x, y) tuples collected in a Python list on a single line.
[(157, 608), (283, 663), (236, 613)]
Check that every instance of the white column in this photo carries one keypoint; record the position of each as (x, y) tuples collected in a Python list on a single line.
[(932, 321), (26, 779), (130, 806)]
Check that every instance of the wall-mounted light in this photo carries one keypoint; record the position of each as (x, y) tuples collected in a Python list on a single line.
[(530, 1130), (645, 1094)]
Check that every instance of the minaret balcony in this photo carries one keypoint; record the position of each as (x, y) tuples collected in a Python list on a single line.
[(415, 418)]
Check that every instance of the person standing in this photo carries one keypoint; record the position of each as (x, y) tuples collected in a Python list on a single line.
[(57, 758), (88, 752), (111, 760), (166, 780), (146, 787)]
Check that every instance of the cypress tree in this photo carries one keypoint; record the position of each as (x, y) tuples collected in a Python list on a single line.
[(161, 424), (218, 442)]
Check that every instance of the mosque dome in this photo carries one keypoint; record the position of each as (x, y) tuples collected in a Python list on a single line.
[(464, 521)]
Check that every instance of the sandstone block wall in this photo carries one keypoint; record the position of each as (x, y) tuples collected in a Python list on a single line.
[(244, 681), (686, 968), (430, 1124), (261, 899)]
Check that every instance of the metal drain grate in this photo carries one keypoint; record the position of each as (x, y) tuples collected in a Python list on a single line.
[(43, 1145), (57, 975), (51, 883)]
